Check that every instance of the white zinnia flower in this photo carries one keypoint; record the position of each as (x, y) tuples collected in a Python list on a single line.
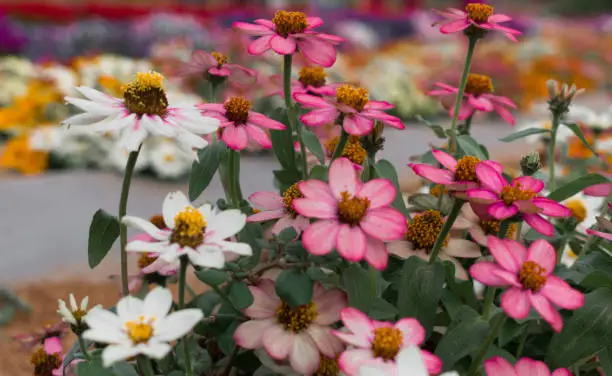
[(198, 233), (118, 157), (140, 327), (143, 111), (168, 160), (409, 363), (592, 119), (76, 314), (585, 209)]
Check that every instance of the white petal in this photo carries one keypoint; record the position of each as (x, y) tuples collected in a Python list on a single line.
[(83, 119), (156, 125), (95, 95), (191, 140), (157, 303), (84, 303), (129, 308), (114, 123), (92, 107), (372, 371), (73, 303), (193, 122), (101, 318), (154, 350), (174, 203), (64, 311), (226, 224), (132, 139), (242, 249), (105, 335), (410, 362), (177, 324), (208, 256), (114, 353), (142, 246), (146, 226), (205, 210)]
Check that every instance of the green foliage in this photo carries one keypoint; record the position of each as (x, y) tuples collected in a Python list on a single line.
[(103, 231)]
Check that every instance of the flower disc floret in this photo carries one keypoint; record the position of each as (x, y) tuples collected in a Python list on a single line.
[(221, 58), (289, 195), (424, 229), (491, 227), (289, 22), (145, 260), (478, 84), (353, 149), (478, 12), (296, 319), (189, 226), (312, 76), (355, 97), (237, 110), (45, 363), (146, 95), (466, 169), (515, 192), (140, 331), (532, 276), (351, 209), (387, 342), (579, 211), (327, 366)]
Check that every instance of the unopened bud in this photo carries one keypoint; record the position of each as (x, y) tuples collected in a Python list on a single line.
[(530, 163), (561, 96), (553, 88)]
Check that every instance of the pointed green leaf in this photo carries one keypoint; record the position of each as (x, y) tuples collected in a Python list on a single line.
[(212, 277), (384, 169), (282, 141), (103, 231), (523, 133), (577, 185), (294, 286), (312, 143), (240, 295), (469, 146), (357, 285), (578, 132), (318, 172), (204, 169)]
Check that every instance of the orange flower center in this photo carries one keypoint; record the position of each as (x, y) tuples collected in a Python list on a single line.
[(140, 331), (438, 190), (221, 58), (289, 195), (145, 95), (189, 227), (466, 169), (289, 22), (479, 12), (478, 84), (424, 229), (237, 110), (512, 193), (158, 221), (351, 209), (44, 364), (492, 228), (532, 276), (356, 97), (353, 150), (313, 76), (296, 319), (145, 260), (579, 211), (327, 366), (387, 343)]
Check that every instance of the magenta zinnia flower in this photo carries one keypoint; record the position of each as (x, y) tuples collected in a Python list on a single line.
[(49, 358), (288, 32), (355, 218), (377, 343), (300, 334), (475, 15), (311, 80), (505, 200), (216, 64), (275, 206), (352, 105), (605, 224), (477, 97), (30, 340), (239, 123), (498, 366), (599, 190), (528, 275)]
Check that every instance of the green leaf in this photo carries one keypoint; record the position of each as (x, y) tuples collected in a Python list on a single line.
[(587, 332), (318, 172), (464, 290), (312, 143), (201, 361), (124, 369), (206, 301), (384, 169), (93, 368), (423, 201), (597, 279), (73, 353), (103, 231), (294, 286), (358, 287), (226, 339), (382, 310), (212, 277), (578, 132), (577, 185), (287, 235), (523, 133), (287, 178), (240, 295), (605, 360), (251, 234), (469, 146), (420, 291), (203, 171)]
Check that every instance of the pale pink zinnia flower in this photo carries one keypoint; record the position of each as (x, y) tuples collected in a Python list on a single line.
[(352, 103), (528, 275), (504, 200), (475, 15), (477, 97), (377, 343), (599, 190), (271, 205), (355, 218), (289, 32), (481, 225), (311, 80), (498, 366), (300, 334), (215, 64), (239, 123)]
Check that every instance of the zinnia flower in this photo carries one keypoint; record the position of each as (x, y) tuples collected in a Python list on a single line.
[(599, 190), (503, 200), (479, 227), (140, 327), (215, 64), (476, 15), (355, 218), (239, 123), (30, 340), (311, 80), (76, 314), (528, 275), (421, 234), (477, 97), (605, 224), (352, 105), (409, 362), (300, 333), (198, 233), (291, 31), (143, 111), (498, 366), (275, 206), (377, 343), (48, 360)]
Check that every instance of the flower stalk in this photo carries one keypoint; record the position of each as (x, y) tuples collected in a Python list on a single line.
[(293, 124), (83, 347), (145, 366), (125, 191), (182, 283), (448, 224), (556, 118), (472, 40), (344, 136), (235, 194), (482, 353)]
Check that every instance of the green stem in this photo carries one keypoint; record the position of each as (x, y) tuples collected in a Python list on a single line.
[(182, 283), (468, 126), (445, 230), (477, 360), (234, 179), (83, 347), (551, 151), (488, 302), (145, 366), (464, 77), (503, 229), (125, 191), (341, 144), (291, 114)]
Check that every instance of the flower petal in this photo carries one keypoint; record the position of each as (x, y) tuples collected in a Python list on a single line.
[(529, 183), (146, 226), (445, 159), (357, 125), (277, 341), (326, 342), (481, 196), (560, 293), (454, 26), (318, 50), (236, 138), (157, 303), (526, 366), (376, 253), (320, 116), (177, 324), (551, 208), (351, 243), (329, 305), (500, 211), (380, 192), (225, 224), (252, 29), (548, 312), (311, 101), (462, 248), (249, 334), (358, 323), (412, 331), (114, 353), (283, 46), (264, 121), (490, 178), (484, 272), (313, 208), (258, 135), (304, 356), (433, 174), (350, 361), (384, 223), (260, 45), (343, 178), (515, 303), (503, 254), (317, 190), (598, 190), (174, 203), (498, 366), (320, 237), (543, 253), (538, 223)]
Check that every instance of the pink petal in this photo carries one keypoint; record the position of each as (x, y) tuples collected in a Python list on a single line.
[(432, 362), (318, 50), (412, 330), (376, 253), (266, 215), (529, 183), (283, 46), (599, 190), (547, 311), (515, 303), (539, 224), (454, 26), (264, 305), (343, 178), (485, 273), (260, 45), (277, 341), (321, 116), (222, 72), (389, 120), (314, 22), (505, 114), (283, 223), (252, 29), (351, 243), (494, 165), (446, 87), (480, 103), (328, 344), (481, 196), (53, 346), (503, 254), (380, 192), (258, 135), (217, 107), (311, 101), (351, 360), (500, 211), (490, 178), (543, 253), (357, 125), (358, 323), (551, 208), (317, 190), (498, 366), (378, 105), (315, 208), (445, 159), (479, 236), (526, 366), (560, 293), (384, 223), (561, 372), (250, 333), (333, 39), (527, 207), (465, 111), (498, 99), (235, 137), (266, 200), (433, 174), (603, 235), (320, 237), (264, 121), (329, 305), (517, 250), (497, 18), (267, 23)]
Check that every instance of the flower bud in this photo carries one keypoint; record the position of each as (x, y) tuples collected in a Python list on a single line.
[(530, 163), (561, 96)]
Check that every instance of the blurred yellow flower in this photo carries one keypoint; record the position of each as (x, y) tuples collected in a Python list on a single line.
[(17, 155), (29, 110)]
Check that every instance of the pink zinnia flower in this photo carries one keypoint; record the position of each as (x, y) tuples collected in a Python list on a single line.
[(355, 218), (528, 275), (30, 340), (505, 200), (477, 97), (311, 80), (216, 64), (49, 358), (288, 32), (300, 334), (352, 105), (475, 15), (377, 343), (498, 366), (239, 123), (481, 225), (599, 190), (604, 224), (275, 206)]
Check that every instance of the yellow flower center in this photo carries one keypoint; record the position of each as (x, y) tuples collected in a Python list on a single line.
[(387, 343), (145, 95), (478, 84), (221, 58), (424, 229), (353, 150), (145, 260), (327, 366), (296, 319), (532, 276), (169, 158), (158, 221), (140, 331), (313, 76), (289, 22), (492, 228), (44, 363), (289, 195), (189, 228), (237, 110), (79, 314), (351, 209), (571, 254), (479, 12), (466, 169), (438, 190), (356, 97), (512, 193), (578, 209)]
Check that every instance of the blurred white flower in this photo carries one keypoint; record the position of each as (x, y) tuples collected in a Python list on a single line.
[(167, 159), (117, 157), (76, 313), (590, 118), (64, 78), (47, 137)]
